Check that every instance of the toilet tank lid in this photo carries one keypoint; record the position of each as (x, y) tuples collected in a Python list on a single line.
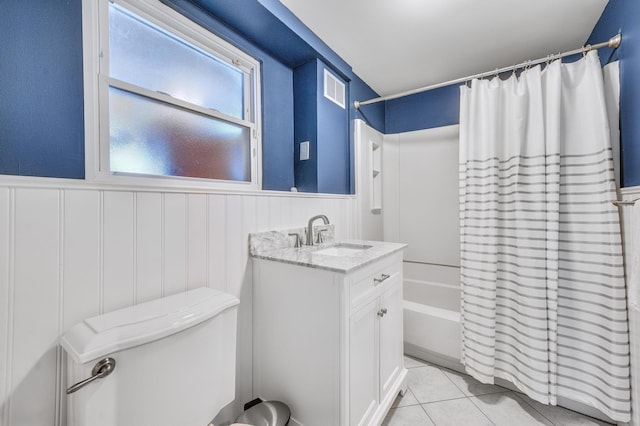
[(105, 334)]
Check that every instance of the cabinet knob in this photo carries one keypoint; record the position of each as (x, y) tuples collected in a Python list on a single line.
[(382, 278), (382, 312)]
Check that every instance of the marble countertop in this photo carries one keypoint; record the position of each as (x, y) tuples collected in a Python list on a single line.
[(307, 256)]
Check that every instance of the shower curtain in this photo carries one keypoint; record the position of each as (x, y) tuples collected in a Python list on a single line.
[(543, 292)]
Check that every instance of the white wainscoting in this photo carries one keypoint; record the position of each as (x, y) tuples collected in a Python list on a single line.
[(69, 251), (626, 214)]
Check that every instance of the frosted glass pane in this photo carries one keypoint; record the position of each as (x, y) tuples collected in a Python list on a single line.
[(141, 54), (152, 137)]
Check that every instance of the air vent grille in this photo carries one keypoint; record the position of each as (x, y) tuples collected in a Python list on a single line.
[(334, 89)]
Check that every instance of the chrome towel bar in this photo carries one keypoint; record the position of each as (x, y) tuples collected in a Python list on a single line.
[(624, 202)]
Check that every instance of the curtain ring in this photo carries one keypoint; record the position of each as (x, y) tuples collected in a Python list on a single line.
[(586, 50)]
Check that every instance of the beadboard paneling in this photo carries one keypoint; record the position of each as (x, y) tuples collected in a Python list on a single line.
[(175, 243), (262, 214), (237, 246), (6, 295), (197, 249), (148, 246), (36, 304), (69, 252), (217, 242), (118, 249), (81, 261)]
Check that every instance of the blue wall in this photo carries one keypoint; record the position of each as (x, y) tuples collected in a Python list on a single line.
[(426, 110), (325, 125), (440, 107), (624, 16), (41, 89), (41, 113), (333, 141), (305, 90)]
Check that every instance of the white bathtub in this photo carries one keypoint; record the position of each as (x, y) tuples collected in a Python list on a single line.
[(432, 317), (432, 326)]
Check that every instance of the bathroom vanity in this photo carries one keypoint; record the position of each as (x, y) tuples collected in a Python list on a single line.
[(328, 330)]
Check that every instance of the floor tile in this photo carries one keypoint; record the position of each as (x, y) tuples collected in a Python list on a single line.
[(429, 384), (451, 398), (506, 409), (562, 416), (403, 401), (410, 362), (456, 412), (470, 386), (413, 415)]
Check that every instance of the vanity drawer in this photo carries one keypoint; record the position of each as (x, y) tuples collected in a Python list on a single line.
[(365, 282)]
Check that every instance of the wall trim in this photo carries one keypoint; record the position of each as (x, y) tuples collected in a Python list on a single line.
[(630, 191), (14, 181)]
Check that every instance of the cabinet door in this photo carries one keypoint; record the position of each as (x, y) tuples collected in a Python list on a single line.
[(363, 364), (391, 360)]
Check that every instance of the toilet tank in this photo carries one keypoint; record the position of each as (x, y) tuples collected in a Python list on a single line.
[(175, 362)]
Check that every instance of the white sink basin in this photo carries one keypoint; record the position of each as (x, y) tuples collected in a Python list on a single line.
[(341, 250)]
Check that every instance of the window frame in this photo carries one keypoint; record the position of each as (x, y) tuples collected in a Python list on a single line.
[(97, 82)]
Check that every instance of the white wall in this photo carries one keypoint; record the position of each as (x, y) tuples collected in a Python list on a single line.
[(69, 250), (420, 204), (428, 195), (391, 187), (369, 221)]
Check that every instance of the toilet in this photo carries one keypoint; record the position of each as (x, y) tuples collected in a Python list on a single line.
[(175, 362)]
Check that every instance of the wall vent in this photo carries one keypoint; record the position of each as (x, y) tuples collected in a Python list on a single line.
[(334, 89)]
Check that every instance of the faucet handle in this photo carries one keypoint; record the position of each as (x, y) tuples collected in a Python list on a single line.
[(320, 236), (298, 242)]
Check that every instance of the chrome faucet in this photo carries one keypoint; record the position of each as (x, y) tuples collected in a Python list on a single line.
[(310, 227)]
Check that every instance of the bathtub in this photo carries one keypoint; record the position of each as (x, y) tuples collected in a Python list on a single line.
[(432, 324), (432, 315)]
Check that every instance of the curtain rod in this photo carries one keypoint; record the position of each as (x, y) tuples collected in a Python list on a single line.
[(613, 43)]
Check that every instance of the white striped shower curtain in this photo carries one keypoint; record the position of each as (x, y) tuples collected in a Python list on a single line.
[(543, 292)]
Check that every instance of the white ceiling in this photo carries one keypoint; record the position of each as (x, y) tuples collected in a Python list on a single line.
[(398, 45)]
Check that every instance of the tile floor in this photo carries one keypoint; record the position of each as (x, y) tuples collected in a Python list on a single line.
[(442, 397)]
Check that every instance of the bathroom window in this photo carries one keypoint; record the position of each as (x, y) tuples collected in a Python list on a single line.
[(174, 100)]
